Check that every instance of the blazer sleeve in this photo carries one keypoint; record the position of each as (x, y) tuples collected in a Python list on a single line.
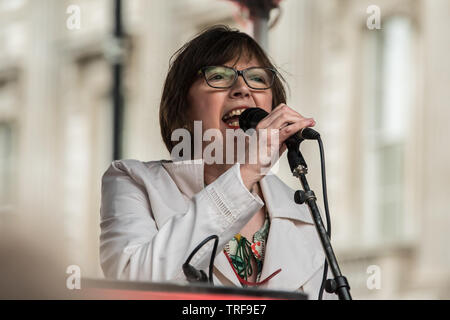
[(132, 247)]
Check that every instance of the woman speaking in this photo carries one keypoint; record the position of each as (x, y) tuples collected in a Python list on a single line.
[(154, 214)]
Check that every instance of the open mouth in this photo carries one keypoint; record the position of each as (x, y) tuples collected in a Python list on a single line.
[(231, 118)]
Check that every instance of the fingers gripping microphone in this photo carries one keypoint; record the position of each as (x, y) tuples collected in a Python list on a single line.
[(252, 116)]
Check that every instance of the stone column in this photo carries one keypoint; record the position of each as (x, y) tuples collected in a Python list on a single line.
[(434, 253)]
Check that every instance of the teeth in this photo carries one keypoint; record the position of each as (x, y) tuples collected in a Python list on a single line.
[(233, 124), (233, 113)]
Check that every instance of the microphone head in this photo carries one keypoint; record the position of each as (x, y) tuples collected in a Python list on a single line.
[(309, 134), (251, 117)]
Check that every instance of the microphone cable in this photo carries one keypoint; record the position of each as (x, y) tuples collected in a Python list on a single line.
[(327, 212), (191, 273)]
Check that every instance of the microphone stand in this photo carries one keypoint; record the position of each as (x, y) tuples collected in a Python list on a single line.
[(339, 284)]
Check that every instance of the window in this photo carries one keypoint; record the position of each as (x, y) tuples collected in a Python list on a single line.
[(9, 102), (6, 165), (388, 73)]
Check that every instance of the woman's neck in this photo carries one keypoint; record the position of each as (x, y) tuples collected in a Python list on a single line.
[(213, 171)]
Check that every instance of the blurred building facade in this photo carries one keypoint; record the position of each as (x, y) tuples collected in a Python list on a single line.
[(379, 97)]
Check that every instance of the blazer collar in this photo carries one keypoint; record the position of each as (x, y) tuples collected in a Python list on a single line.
[(187, 175)]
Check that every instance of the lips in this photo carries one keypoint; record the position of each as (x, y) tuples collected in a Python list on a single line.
[(231, 118)]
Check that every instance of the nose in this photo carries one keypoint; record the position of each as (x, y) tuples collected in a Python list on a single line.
[(240, 88)]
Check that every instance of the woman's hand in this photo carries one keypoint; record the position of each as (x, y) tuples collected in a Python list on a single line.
[(286, 122)]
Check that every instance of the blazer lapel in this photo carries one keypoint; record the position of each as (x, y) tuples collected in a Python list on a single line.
[(293, 244), (222, 264)]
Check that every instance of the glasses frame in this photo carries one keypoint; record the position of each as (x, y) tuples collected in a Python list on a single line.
[(238, 73)]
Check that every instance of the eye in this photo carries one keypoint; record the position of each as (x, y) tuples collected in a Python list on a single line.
[(216, 77), (258, 79)]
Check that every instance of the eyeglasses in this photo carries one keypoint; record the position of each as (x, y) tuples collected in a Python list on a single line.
[(222, 77)]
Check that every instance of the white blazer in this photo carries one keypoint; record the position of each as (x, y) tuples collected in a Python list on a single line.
[(153, 214)]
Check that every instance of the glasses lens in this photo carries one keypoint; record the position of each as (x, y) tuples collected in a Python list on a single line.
[(259, 78), (220, 77)]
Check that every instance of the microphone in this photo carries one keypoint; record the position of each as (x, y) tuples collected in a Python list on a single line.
[(252, 116)]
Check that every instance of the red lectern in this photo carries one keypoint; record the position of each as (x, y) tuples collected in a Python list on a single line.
[(100, 289)]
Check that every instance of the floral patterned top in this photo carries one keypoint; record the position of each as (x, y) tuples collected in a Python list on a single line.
[(240, 251)]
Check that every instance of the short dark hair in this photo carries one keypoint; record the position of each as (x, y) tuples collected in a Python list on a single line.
[(213, 46)]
